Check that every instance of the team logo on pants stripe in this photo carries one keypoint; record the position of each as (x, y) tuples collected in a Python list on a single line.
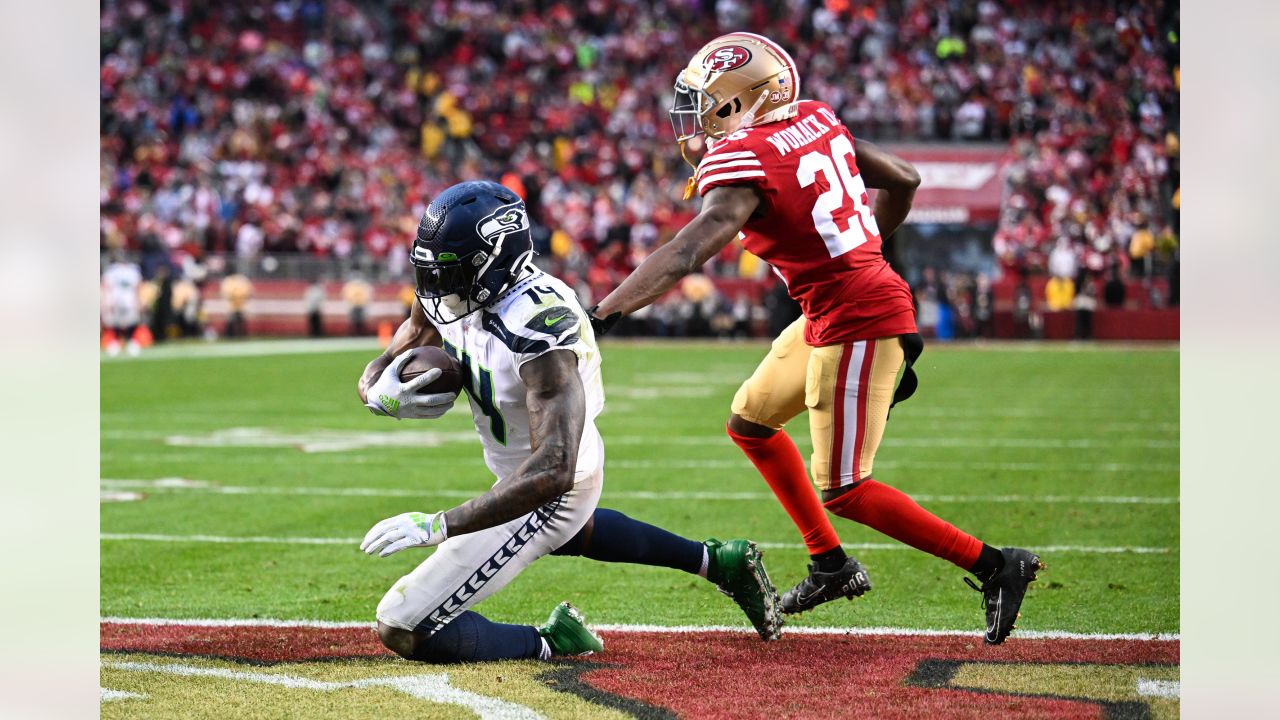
[(454, 604)]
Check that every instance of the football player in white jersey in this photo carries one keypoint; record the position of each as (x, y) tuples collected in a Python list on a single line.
[(121, 304), (532, 373)]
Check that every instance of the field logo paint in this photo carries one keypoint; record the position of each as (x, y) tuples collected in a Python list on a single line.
[(1123, 690), (932, 675), (432, 687)]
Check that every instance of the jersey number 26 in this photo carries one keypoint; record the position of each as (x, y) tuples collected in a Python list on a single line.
[(844, 186)]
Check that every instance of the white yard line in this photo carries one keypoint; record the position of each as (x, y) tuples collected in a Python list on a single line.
[(352, 541), (119, 496), (109, 695), (1045, 548), (250, 348), (1164, 689), (733, 463), (237, 622), (223, 539), (197, 486), (332, 440), (743, 464), (889, 631), (296, 346), (928, 442)]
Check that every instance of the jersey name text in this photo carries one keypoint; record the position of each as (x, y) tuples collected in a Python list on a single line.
[(802, 133)]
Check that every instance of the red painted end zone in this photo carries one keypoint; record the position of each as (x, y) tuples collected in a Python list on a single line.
[(724, 675), (257, 644), (737, 676)]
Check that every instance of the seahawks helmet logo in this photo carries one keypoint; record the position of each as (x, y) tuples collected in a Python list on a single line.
[(506, 219)]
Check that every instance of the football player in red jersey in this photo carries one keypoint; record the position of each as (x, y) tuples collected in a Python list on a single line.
[(785, 174)]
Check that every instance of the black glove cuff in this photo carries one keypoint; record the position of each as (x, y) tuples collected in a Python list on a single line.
[(601, 326)]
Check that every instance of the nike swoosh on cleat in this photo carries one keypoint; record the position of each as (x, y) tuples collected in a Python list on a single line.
[(804, 599), (993, 632)]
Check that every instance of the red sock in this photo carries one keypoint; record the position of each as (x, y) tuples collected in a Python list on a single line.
[(895, 514), (779, 461)]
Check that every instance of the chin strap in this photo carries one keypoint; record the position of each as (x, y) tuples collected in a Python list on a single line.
[(692, 185), (749, 116)]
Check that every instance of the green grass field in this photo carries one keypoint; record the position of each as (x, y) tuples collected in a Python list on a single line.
[(1071, 450)]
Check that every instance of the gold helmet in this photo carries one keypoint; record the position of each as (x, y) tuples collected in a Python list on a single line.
[(735, 81)]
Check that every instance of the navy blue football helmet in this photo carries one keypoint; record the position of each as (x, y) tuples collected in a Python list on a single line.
[(473, 242)]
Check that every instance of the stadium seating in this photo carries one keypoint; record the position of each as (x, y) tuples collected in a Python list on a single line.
[(319, 128)]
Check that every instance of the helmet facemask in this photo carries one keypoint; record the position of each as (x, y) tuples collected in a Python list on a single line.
[(445, 285), (695, 111), (688, 105)]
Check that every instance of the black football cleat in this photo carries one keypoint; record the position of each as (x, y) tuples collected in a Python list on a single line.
[(1002, 594), (850, 581)]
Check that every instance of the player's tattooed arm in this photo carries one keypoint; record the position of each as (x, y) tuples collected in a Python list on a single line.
[(557, 411), (896, 179), (725, 210), (414, 332)]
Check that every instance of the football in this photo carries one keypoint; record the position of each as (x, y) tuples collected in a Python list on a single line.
[(425, 358)]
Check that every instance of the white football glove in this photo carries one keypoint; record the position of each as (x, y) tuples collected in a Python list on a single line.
[(411, 529), (388, 396)]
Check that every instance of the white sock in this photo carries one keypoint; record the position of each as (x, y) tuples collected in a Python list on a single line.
[(545, 652), (705, 561)]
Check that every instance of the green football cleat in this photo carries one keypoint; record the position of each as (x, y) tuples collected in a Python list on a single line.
[(738, 570), (567, 633)]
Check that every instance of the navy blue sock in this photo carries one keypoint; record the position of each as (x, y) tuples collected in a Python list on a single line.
[(470, 638), (611, 536)]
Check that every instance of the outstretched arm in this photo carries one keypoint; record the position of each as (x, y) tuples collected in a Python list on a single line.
[(724, 211), (414, 332), (897, 181), (557, 411)]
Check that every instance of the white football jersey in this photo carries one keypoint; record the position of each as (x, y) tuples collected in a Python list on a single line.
[(121, 306), (535, 316)]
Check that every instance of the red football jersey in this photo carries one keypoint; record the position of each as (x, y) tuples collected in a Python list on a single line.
[(818, 231)]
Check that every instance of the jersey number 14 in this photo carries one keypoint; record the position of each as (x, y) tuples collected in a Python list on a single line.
[(844, 187), (482, 392)]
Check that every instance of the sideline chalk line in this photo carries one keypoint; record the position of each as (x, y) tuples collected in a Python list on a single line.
[(631, 628), (287, 540), (202, 486)]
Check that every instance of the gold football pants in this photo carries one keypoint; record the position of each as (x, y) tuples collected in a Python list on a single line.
[(846, 388)]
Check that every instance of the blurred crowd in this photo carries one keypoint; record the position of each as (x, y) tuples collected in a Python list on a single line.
[(238, 132)]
